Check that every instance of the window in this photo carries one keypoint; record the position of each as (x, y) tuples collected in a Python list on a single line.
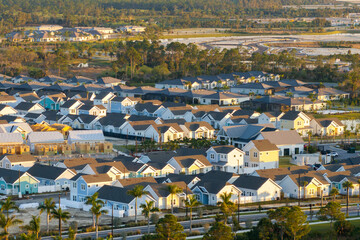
[(255, 154), (247, 153), (74, 198), (212, 156), (58, 183), (7, 165), (74, 185), (27, 186), (35, 185), (246, 164), (83, 186), (2, 187), (65, 182), (311, 191)]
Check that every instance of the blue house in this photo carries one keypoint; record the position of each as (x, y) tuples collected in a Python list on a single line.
[(53, 102), (118, 198), (52, 178), (84, 186), (11, 179)]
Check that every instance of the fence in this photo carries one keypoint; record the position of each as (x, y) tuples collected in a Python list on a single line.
[(52, 188)]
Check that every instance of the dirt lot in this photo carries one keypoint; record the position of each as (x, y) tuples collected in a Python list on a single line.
[(83, 218)]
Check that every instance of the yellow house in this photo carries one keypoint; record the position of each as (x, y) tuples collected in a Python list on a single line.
[(160, 192), (193, 164), (261, 153), (327, 126), (309, 185), (294, 120)]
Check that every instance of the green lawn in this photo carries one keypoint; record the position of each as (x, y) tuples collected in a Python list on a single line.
[(323, 228), (346, 116), (285, 162)]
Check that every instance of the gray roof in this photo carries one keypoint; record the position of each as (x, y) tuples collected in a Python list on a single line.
[(45, 171), (224, 148), (115, 194), (249, 182)]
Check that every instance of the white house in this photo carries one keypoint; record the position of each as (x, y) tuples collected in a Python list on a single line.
[(226, 158)]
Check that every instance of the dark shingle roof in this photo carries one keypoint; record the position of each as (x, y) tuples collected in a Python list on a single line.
[(249, 182), (45, 171), (116, 194)]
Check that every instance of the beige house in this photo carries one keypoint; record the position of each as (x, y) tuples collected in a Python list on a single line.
[(198, 130), (261, 154), (327, 126)]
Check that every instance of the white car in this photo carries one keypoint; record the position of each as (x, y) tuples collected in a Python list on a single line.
[(333, 154)]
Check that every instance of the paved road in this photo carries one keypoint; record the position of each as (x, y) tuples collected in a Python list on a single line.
[(254, 218)]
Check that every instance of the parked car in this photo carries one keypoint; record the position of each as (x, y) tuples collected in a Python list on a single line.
[(333, 154)]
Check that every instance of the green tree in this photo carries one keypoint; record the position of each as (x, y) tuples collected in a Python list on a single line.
[(168, 228), (190, 203), (62, 216), (331, 210), (137, 192), (296, 226), (97, 210), (219, 231), (173, 190), (94, 201), (343, 228), (33, 227), (7, 222), (148, 208), (227, 207), (47, 206), (7, 206), (280, 216), (348, 185), (334, 192)]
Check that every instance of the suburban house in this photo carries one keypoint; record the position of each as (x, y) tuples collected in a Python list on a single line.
[(10, 180), (51, 178), (163, 197), (327, 126), (123, 104), (271, 117), (259, 188), (96, 110), (104, 99), (298, 121), (198, 130), (25, 107), (71, 107), (17, 162), (7, 110), (37, 140), (226, 158), (192, 164), (261, 154), (84, 186), (289, 142)]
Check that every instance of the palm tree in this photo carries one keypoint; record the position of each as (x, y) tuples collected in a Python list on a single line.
[(137, 192), (190, 203), (47, 206), (148, 208), (334, 192), (226, 205), (173, 189), (6, 223), (63, 216), (33, 227), (98, 211), (8, 205), (309, 133), (93, 200), (304, 183), (347, 185)]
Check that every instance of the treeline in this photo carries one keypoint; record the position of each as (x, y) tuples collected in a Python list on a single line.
[(165, 13)]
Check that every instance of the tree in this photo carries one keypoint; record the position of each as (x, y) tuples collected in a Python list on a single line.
[(279, 215), (173, 190), (97, 210), (148, 208), (6, 222), (168, 228), (227, 207), (334, 192), (33, 227), (296, 225), (134, 58), (7, 206), (348, 185), (93, 201), (137, 192), (332, 210), (305, 183), (265, 230), (63, 216), (219, 231), (343, 228), (190, 203), (47, 206)]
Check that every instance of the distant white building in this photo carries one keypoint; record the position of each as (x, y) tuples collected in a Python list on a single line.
[(49, 28)]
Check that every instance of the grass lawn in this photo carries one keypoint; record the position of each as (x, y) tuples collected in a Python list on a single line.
[(285, 162), (323, 228), (345, 116)]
